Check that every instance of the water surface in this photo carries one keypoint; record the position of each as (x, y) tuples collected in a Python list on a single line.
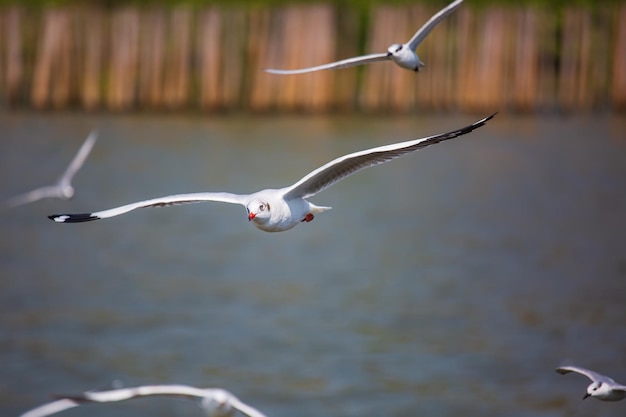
[(447, 283)]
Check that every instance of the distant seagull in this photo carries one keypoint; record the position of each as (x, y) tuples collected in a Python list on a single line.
[(403, 55), (277, 210), (602, 387), (215, 402), (63, 187)]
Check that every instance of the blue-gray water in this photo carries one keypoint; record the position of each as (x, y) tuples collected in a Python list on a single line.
[(450, 282)]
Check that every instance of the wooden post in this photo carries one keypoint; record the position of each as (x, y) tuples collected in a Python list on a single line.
[(152, 58), (525, 66), (259, 45), (208, 51), (62, 65), (123, 60), (177, 68), (618, 77), (93, 46), (14, 59)]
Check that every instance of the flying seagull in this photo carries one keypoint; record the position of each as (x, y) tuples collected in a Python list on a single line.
[(277, 210), (402, 54), (63, 187), (215, 402), (601, 387), (51, 408)]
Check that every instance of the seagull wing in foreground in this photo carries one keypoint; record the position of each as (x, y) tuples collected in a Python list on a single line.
[(594, 376), (344, 63), (155, 202), (222, 399), (421, 34), (343, 167), (51, 408), (123, 394), (79, 159)]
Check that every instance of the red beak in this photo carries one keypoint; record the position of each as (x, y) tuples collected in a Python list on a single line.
[(251, 216)]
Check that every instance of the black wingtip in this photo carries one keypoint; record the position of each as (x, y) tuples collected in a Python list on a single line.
[(486, 119), (478, 124), (73, 218)]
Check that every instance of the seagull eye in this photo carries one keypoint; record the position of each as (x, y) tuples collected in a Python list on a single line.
[(398, 48)]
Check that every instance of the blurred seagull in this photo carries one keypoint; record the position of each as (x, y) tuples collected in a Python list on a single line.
[(277, 210), (402, 54), (51, 408), (602, 387), (60, 404), (63, 187), (215, 402)]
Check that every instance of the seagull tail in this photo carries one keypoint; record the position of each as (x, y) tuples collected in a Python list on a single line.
[(318, 209)]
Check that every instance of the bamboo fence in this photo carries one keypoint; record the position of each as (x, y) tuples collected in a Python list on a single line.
[(521, 59)]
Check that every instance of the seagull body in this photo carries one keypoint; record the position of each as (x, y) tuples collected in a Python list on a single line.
[(277, 210), (63, 187), (403, 55), (602, 387), (216, 402)]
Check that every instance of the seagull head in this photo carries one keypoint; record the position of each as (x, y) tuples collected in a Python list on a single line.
[(404, 56), (596, 388), (394, 49), (258, 211)]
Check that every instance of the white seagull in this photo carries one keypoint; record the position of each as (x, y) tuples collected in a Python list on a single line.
[(277, 210), (215, 402), (63, 187), (601, 387), (403, 55)]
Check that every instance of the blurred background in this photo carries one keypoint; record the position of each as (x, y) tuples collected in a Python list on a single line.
[(449, 282), (522, 56)]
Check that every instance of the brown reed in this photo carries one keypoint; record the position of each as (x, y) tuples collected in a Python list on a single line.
[(13, 63), (618, 76), (123, 59), (495, 58)]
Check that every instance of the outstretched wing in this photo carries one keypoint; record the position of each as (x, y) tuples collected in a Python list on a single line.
[(245, 408), (594, 376), (347, 165), (160, 390), (124, 394), (421, 34), (49, 191), (344, 63), (155, 202), (79, 159), (51, 408)]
